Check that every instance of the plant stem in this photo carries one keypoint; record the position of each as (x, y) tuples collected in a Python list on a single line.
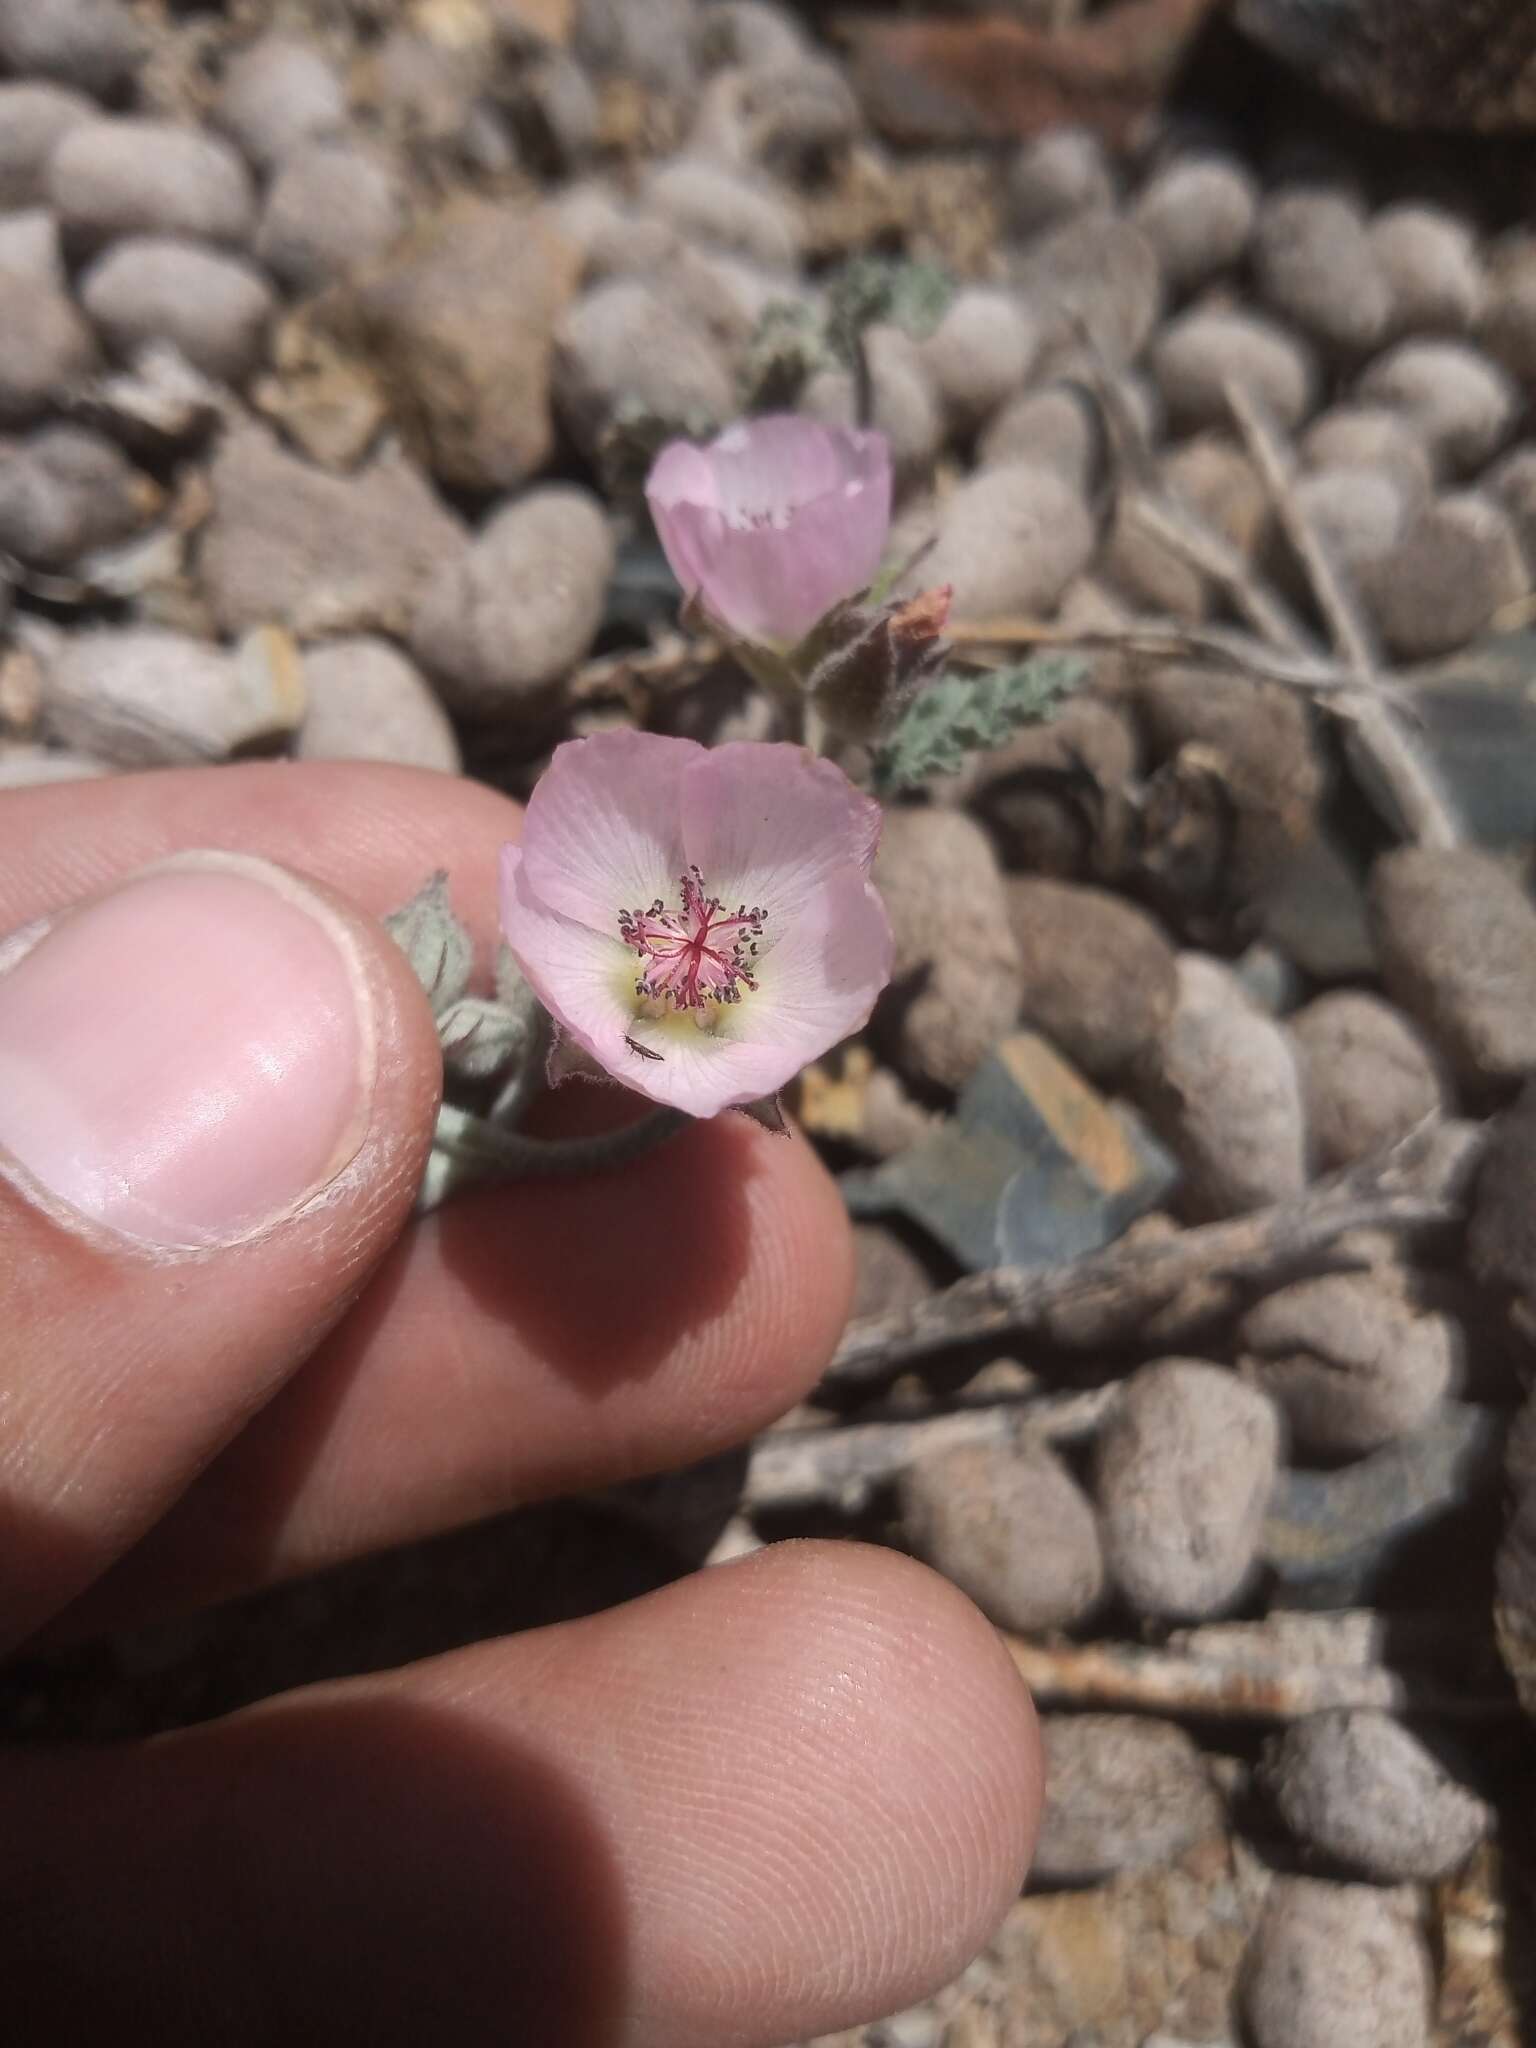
[(466, 1149)]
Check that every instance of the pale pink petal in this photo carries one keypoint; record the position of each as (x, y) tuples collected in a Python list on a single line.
[(768, 824), (820, 982), (603, 831), (791, 519)]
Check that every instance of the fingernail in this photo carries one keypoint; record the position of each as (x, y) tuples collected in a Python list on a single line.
[(189, 1057)]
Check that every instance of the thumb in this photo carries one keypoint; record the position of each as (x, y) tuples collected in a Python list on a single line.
[(217, 1089)]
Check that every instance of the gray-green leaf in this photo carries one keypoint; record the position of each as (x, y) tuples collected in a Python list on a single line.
[(480, 1037), (970, 714), (436, 944)]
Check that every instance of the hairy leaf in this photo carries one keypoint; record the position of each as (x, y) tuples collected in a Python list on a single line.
[(438, 947), (964, 714)]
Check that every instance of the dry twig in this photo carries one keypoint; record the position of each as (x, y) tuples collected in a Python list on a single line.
[(1105, 1297)]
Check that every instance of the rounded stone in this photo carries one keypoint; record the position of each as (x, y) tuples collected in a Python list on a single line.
[(1512, 484), (93, 45), (621, 342), (1198, 354), (1433, 271), (365, 702), (278, 94), (1097, 274), (332, 211), (1010, 540), (1462, 406), (1368, 1078), (213, 308), (1360, 515), (501, 627), (1122, 1792), (746, 34), (1011, 1528), (1349, 1363), (888, 1274), (648, 42), (33, 118), (956, 977), (1508, 326), (1100, 978), (1198, 214), (1335, 1966), (906, 405), (1183, 1474), (1370, 437), (1355, 1786), (1221, 1084), (1315, 265), (1057, 177), (1055, 428), (65, 491), (138, 696), (47, 348), (1456, 563), (138, 177), (980, 354), (737, 215), (1456, 935)]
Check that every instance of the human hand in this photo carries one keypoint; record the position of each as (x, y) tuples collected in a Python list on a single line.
[(772, 1799)]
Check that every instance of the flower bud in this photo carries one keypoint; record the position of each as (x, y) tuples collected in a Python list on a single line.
[(865, 663)]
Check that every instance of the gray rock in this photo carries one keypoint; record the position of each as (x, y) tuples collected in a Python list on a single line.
[(1338, 1538), (33, 117), (27, 767), (278, 94), (1100, 979), (1457, 936), (906, 405), (1433, 271), (1359, 1789), (500, 627), (649, 41), (980, 354), (1455, 564), (1221, 1087), (1056, 178), (1360, 515), (1367, 1076), (1508, 326), (366, 702), (1010, 540), (91, 44), (955, 949), (1315, 265), (725, 212), (1095, 272), (128, 176), (1335, 1966), (1314, 909), (555, 112), (1501, 1234), (798, 116), (65, 491), (1011, 1528), (458, 325), (332, 210), (1183, 1474), (1219, 484), (1030, 791), (1055, 428), (622, 346), (47, 347), (1122, 1792), (1198, 214), (1462, 406), (289, 544), (1197, 354), (29, 248), (887, 1273), (1512, 484), (138, 697), (1371, 437), (746, 34), (1349, 1362), (213, 308)]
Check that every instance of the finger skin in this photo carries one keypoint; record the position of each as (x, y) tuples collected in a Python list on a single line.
[(529, 1342), (775, 1799), (125, 1370)]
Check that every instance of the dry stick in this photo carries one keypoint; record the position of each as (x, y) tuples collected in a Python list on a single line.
[(1105, 1297), (838, 1467), (1212, 646), (1426, 817)]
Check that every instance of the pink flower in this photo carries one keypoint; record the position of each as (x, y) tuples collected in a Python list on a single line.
[(701, 921), (774, 522)]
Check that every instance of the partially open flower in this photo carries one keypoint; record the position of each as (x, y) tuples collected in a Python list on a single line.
[(774, 522), (701, 921)]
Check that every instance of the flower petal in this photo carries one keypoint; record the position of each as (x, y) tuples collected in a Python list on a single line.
[(603, 827), (680, 491), (820, 982), (768, 824)]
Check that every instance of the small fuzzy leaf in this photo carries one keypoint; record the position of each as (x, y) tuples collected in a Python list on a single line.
[(970, 714), (432, 939), (480, 1037), (913, 296), (786, 348)]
